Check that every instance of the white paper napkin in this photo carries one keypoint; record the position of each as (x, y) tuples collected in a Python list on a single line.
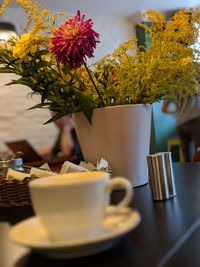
[(41, 173), (71, 167), (45, 166), (87, 165), (12, 174)]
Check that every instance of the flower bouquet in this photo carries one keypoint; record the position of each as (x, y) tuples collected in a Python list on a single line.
[(51, 59)]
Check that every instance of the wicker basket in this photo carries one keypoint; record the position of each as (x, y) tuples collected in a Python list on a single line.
[(14, 193)]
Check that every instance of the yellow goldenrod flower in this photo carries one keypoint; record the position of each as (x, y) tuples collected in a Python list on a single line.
[(186, 60), (28, 43)]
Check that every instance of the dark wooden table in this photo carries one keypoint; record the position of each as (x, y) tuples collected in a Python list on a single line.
[(168, 235)]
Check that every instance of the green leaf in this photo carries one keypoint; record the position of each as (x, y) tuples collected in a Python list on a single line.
[(87, 105), (56, 117), (42, 52), (21, 81), (7, 70), (41, 105)]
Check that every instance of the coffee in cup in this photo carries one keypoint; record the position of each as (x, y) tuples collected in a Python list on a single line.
[(74, 205)]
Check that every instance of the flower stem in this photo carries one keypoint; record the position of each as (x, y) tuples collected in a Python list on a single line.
[(94, 84)]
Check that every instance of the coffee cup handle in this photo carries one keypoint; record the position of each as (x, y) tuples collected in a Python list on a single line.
[(120, 183)]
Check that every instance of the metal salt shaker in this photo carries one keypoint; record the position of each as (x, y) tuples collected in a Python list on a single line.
[(161, 175)]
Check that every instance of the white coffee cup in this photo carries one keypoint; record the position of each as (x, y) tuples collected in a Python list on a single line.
[(73, 205)]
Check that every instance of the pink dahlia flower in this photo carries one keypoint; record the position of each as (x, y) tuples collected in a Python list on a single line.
[(74, 40)]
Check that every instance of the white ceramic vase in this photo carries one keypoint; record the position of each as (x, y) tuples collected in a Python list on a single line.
[(121, 135)]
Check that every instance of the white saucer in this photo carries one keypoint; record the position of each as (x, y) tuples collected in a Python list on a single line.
[(31, 234)]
